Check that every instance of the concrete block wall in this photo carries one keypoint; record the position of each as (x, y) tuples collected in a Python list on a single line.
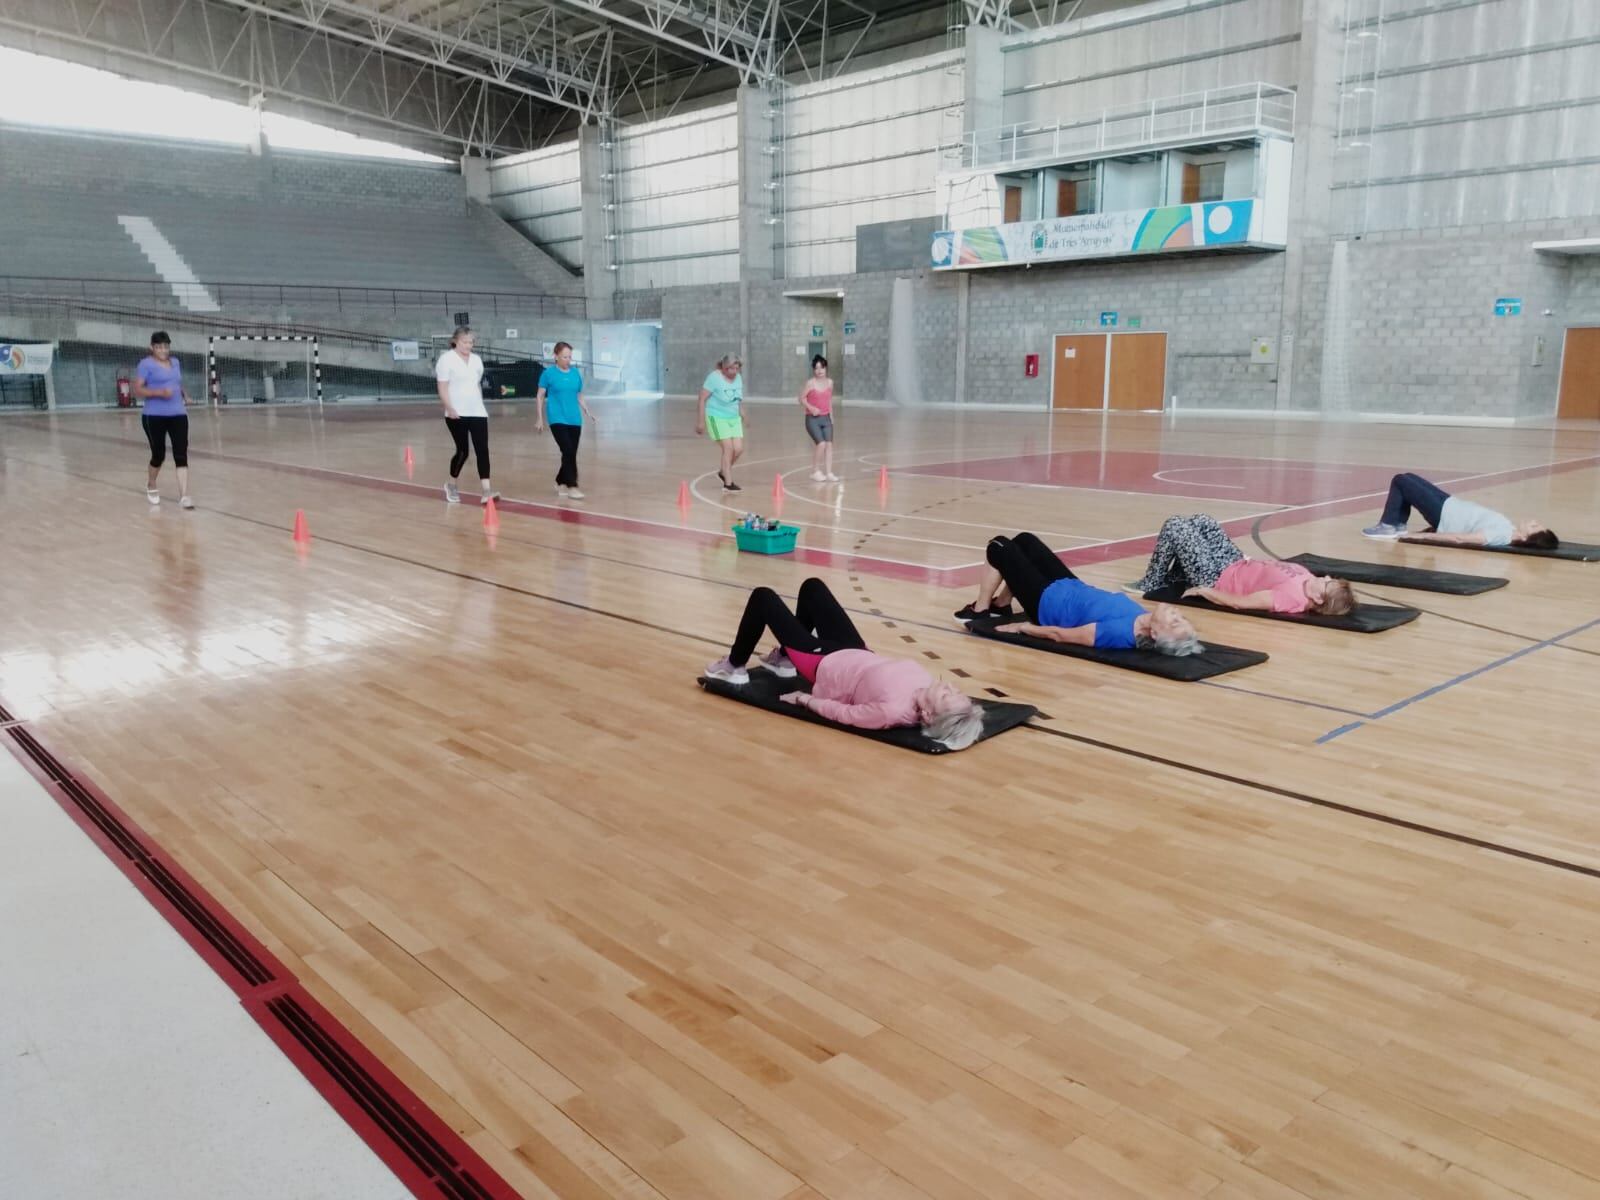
[(698, 326), (1422, 338), (1209, 308)]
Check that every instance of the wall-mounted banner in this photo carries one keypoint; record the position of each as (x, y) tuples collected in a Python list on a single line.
[(1100, 235), (405, 350), (24, 358)]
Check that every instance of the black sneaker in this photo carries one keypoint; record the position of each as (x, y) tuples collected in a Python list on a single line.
[(729, 485), (991, 613)]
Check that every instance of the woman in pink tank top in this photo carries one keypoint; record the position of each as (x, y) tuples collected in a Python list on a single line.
[(816, 398)]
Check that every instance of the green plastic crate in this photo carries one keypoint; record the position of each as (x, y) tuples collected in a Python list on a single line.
[(767, 541)]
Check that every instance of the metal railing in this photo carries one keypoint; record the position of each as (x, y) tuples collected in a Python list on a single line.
[(1195, 116), (260, 296), (39, 306)]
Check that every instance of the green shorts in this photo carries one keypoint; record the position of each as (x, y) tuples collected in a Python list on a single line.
[(723, 428)]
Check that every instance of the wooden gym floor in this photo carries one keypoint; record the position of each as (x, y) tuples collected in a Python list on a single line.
[(1321, 928)]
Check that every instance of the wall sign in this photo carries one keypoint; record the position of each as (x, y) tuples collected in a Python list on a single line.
[(1508, 306), (1135, 322), (512, 333), (1100, 235), (1108, 319), (26, 358), (849, 328), (405, 350), (816, 331)]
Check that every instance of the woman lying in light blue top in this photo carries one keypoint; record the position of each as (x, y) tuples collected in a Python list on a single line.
[(1453, 521)]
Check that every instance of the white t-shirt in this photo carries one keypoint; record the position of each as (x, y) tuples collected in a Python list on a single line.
[(1463, 516), (465, 377)]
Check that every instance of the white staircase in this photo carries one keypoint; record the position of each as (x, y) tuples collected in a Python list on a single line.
[(169, 264)]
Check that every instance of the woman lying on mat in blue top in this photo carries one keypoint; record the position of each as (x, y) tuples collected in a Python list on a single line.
[(1062, 608)]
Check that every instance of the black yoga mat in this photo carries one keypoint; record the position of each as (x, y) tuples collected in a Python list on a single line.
[(1364, 618), (1415, 578), (764, 689), (1573, 551), (1217, 660)]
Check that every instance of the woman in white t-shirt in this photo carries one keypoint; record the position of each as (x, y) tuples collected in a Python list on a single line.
[(1452, 520), (460, 377)]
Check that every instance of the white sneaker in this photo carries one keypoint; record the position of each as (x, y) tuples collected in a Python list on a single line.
[(152, 495), (726, 671), (452, 493), (778, 663), (488, 496), (185, 502), (818, 477), (831, 477), (574, 494), (561, 491)]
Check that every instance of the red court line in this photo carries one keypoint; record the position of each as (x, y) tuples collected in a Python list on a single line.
[(572, 516), (965, 576), (422, 1150)]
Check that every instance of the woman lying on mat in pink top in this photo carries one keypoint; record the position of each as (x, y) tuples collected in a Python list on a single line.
[(1195, 554), (850, 684)]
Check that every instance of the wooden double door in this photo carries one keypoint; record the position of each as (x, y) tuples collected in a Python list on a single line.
[(1122, 371)]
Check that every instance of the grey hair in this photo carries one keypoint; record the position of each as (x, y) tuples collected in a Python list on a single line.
[(460, 329), (956, 728), (1177, 647), (728, 359)]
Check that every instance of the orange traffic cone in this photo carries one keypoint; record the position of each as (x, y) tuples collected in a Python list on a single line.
[(683, 494), (883, 479), (491, 515), (777, 486), (302, 533), (409, 460)]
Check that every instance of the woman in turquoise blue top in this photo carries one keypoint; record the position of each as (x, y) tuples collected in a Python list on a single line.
[(1060, 607), (722, 416), (560, 400)]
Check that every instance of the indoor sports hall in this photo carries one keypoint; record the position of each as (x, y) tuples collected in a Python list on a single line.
[(524, 672)]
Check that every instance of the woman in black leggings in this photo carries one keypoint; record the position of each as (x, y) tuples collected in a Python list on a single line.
[(849, 683), (158, 382), (459, 373)]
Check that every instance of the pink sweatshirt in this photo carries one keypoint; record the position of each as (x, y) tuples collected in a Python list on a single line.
[(858, 687)]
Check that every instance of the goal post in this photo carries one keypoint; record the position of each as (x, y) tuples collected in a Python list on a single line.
[(308, 343)]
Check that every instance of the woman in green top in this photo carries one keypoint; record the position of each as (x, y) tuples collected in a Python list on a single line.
[(722, 416)]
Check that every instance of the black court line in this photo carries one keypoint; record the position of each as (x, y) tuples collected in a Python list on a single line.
[(1176, 764), (1352, 810)]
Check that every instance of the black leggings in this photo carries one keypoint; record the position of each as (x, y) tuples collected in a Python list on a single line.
[(1028, 567), (566, 437), (158, 429), (818, 624), (478, 429)]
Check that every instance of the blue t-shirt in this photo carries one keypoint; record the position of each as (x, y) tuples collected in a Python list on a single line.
[(155, 375), (1069, 603), (561, 390)]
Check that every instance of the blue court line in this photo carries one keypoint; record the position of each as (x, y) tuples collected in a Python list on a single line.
[(1450, 683)]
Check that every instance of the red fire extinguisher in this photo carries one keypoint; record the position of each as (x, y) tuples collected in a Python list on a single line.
[(124, 392)]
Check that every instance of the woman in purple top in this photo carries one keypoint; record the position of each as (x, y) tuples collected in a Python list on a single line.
[(159, 383)]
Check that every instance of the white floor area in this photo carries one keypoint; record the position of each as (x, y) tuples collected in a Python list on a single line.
[(127, 1068)]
